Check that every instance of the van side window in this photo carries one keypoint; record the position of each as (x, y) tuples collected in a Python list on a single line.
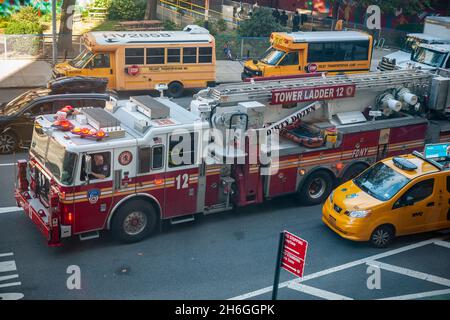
[(157, 157), (155, 55), (101, 60), (290, 59), (182, 149), (134, 55), (204, 55), (420, 190), (144, 160), (173, 55), (447, 66), (189, 55)]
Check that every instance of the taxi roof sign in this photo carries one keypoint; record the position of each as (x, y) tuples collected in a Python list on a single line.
[(404, 164)]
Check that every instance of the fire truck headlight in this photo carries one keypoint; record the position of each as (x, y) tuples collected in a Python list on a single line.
[(358, 213)]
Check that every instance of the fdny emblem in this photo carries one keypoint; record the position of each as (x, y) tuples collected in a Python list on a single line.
[(93, 195), (125, 158)]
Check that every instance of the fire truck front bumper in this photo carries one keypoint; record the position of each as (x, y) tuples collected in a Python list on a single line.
[(39, 214)]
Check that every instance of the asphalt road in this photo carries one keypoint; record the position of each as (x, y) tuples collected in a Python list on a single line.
[(219, 256)]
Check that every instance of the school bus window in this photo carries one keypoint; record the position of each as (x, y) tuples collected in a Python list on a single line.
[(204, 55), (360, 50), (144, 160), (189, 55), (173, 55), (272, 56), (134, 55), (101, 61), (289, 59), (157, 157), (155, 55)]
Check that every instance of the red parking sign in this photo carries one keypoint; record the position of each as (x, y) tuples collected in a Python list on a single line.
[(294, 254)]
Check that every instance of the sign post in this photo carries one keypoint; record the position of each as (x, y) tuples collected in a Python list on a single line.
[(291, 257)]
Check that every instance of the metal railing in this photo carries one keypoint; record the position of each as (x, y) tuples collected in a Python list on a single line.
[(35, 46)]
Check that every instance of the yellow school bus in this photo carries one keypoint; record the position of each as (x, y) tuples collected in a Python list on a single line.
[(333, 52), (139, 60)]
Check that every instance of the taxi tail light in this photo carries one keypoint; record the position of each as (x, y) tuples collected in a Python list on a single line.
[(22, 175)]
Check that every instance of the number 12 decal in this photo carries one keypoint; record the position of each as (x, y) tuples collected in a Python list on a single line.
[(182, 181)]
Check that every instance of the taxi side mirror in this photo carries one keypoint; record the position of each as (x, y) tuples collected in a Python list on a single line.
[(409, 201)]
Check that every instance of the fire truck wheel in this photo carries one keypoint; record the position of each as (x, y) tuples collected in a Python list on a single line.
[(353, 171), (175, 89), (316, 188), (134, 221), (382, 236), (8, 142)]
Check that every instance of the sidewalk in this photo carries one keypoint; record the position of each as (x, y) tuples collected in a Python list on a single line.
[(24, 73)]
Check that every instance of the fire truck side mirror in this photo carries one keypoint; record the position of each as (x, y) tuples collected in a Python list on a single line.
[(87, 164)]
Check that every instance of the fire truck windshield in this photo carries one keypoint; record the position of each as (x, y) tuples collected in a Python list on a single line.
[(53, 156), (381, 182)]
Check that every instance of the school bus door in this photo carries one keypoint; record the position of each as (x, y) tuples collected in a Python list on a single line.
[(289, 64), (102, 66)]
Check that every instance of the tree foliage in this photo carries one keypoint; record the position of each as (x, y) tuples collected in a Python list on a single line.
[(260, 24)]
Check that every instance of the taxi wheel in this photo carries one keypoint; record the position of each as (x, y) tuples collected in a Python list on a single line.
[(175, 90), (382, 236), (8, 143), (316, 188), (134, 221)]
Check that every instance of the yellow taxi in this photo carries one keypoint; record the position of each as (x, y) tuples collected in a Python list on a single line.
[(394, 197)]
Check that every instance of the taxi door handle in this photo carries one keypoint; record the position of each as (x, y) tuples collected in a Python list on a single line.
[(430, 204)]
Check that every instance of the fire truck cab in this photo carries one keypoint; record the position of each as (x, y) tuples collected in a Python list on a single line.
[(136, 163)]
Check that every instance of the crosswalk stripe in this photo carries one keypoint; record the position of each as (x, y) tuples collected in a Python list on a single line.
[(4, 278), (6, 266), (12, 284), (6, 254)]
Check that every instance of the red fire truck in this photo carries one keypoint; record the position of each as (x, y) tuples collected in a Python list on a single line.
[(119, 168)]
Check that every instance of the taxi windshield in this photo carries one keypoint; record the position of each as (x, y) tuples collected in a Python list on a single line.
[(81, 60), (381, 181), (272, 56)]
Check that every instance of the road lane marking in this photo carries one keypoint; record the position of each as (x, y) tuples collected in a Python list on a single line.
[(11, 296), (12, 284), (442, 243), (6, 266), (339, 268), (317, 292), (10, 209), (4, 278), (6, 164), (419, 295), (6, 254), (411, 273)]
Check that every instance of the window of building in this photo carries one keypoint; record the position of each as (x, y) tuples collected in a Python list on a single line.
[(173, 55), (204, 55), (134, 55), (189, 55), (155, 55)]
